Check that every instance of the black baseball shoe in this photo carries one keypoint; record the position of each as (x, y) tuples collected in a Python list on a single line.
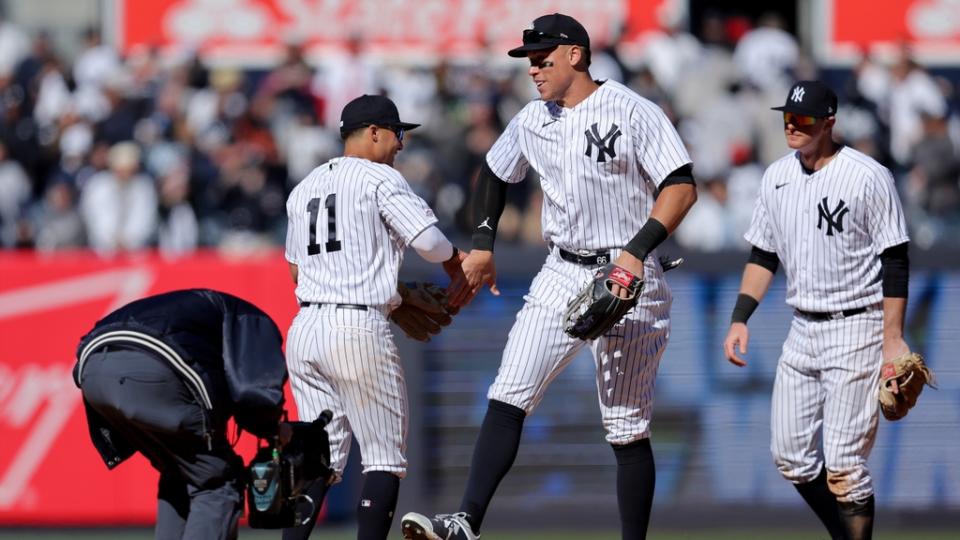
[(441, 527)]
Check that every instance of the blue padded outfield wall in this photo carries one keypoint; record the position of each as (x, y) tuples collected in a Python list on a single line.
[(711, 425)]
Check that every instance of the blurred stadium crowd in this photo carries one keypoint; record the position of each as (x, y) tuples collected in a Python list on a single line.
[(125, 152)]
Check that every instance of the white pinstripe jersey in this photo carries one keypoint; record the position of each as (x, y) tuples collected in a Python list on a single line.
[(829, 228), (600, 164), (349, 222)]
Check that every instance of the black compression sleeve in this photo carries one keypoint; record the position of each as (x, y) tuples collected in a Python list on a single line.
[(651, 235), (766, 259), (489, 199), (895, 268), (683, 175)]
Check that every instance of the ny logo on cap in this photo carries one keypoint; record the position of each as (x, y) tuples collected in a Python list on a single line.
[(797, 94)]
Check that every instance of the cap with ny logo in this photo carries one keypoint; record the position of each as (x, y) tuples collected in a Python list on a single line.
[(810, 98)]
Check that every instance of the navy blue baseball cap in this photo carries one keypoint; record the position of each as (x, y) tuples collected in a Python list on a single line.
[(371, 110), (810, 98), (549, 31)]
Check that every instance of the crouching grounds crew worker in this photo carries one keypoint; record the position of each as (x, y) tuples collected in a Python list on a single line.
[(161, 376)]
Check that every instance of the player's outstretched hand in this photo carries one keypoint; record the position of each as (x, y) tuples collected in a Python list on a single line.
[(459, 290), (737, 338), (480, 270), (631, 264)]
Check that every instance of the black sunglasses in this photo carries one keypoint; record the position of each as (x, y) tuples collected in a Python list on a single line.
[(398, 131), (535, 36)]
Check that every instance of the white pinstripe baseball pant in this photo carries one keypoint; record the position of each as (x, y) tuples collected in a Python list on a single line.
[(345, 360), (626, 359), (825, 395)]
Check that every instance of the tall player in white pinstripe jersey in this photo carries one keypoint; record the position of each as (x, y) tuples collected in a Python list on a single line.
[(616, 179), (349, 223), (832, 217)]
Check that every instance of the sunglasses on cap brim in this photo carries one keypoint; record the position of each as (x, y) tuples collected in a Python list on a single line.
[(531, 36)]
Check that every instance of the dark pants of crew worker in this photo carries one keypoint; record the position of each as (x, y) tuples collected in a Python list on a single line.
[(144, 401)]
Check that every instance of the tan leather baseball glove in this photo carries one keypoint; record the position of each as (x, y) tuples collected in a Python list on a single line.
[(424, 310), (911, 374)]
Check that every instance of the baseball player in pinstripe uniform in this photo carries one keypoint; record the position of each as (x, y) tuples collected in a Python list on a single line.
[(832, 217), (350, 220), (616, 179)]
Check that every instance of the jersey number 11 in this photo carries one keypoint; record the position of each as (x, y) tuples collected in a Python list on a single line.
[(332, 244)]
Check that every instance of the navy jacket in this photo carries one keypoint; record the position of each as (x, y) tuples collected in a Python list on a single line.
[(225, 349)]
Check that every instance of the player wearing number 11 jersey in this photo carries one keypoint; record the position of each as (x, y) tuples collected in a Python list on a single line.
[(350, 221)]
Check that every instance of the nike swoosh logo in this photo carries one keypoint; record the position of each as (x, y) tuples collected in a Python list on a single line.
[(778, 186), (548, 123)]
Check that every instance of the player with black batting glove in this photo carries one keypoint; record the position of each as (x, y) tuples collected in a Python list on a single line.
[(616, 180)]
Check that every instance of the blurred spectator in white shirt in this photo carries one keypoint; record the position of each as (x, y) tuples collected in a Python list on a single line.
[(706, 227), (53, 96), (221, 103), (119, 205), (766, 54), (669, 53), (96, 66), (342, 77), (743, 186), (96, 62), (913, 94), (178, 232), (14, 46), (872, 83), (15, 190)]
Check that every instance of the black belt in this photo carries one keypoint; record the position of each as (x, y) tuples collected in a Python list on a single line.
[(359, 307), (588, 258), (827, 316)]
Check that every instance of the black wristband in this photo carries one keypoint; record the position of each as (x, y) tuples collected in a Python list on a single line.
[(651, 235), (453, 257), (744, 308)]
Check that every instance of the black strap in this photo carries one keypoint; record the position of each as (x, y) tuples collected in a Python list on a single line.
[(359, 307), (594, 258), (826, 316)]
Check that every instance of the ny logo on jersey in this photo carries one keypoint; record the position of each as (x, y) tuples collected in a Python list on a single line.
[(604, 144), (798, 94), (834, 218)]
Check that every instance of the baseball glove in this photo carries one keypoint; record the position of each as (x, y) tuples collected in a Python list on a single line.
[(424, 310), (595, 310), (911, 374)]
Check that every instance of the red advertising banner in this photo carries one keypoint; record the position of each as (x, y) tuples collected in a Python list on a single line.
[(254, 31), (930, 27), (49, 470)]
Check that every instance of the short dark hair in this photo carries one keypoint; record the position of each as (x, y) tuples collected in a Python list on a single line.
[(353, 132)]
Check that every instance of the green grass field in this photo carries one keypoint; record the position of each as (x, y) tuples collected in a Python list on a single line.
[(346, 534)]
